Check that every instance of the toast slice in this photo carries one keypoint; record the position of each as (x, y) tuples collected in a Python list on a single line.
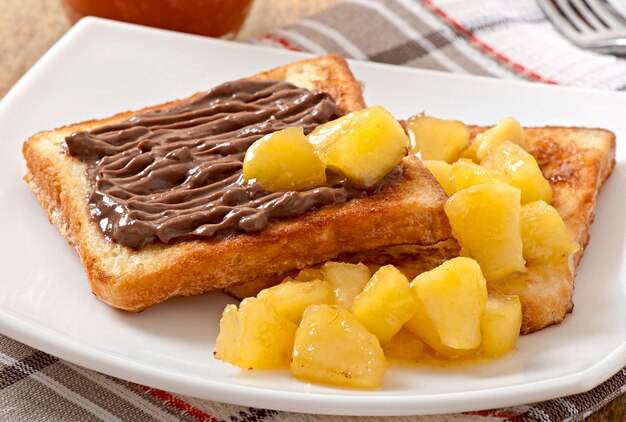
[(409, 211), (576, 162)]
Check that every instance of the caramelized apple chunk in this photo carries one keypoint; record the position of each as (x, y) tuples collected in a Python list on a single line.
[(227, 344), (405, 346), (501, 324), (442, 172), (292, 298), (309, 274), (437, 139), (346, 280), (284, 161), (450, 303), (332, 347), (485, 220), (465, 173), (470, 152), (364, 145), (544, 235), (385, 303), (523, 170), (507, 129), (256, 336)]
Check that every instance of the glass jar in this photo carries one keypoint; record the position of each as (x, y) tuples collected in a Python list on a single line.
[(214, 18)]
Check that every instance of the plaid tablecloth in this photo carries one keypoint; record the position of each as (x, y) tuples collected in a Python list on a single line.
[(498, 38)]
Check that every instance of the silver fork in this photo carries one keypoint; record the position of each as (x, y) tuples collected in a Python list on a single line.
[(592, 24)]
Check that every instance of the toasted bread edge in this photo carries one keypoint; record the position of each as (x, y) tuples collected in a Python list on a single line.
[(133, 280)]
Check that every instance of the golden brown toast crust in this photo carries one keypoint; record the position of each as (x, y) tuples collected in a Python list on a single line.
[(408, 212), (577, 162), (329, 73)]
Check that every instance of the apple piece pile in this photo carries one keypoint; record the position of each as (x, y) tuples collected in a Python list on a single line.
[(499, 202), (335, 325), (339, 324)]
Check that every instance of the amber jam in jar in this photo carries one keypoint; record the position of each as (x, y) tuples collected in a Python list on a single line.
[(215, 18)]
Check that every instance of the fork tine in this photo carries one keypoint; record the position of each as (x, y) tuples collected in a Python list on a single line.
[(568, 17), (588, 15), (572, 15), (562, 24), (603, 12)]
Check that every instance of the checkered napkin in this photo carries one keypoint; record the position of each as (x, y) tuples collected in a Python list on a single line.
[(498, 38)]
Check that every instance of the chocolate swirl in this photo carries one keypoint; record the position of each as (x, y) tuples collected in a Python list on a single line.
[(176, 173)]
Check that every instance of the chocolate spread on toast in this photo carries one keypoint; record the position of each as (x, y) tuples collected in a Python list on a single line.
[(175, 173)]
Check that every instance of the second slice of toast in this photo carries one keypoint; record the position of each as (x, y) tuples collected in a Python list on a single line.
[(409, 211), (576, 161)]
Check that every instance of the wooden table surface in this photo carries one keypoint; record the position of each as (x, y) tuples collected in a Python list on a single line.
[(29, 27)]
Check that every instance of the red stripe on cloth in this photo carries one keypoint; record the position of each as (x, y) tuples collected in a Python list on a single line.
[(180, 405), (283, 42), (486, 47), (496, 414)]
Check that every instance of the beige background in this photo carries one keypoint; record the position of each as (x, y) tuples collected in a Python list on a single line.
[(29, 27)]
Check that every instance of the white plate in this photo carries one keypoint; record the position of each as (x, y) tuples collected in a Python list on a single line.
[(101, 67)]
